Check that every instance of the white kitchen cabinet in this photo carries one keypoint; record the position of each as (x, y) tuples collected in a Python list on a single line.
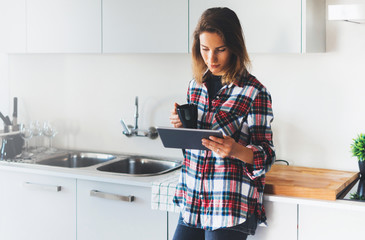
[(37, 207), (321, 222), (12, 26), (173, 219), (281, 222), (63, 26), (154, 26), (280, 26), (145, 26), (105, 212)]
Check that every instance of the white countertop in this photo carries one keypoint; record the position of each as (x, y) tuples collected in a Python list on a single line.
[(339, 203), (82, 173)]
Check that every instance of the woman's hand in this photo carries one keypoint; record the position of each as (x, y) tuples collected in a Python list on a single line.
[(228, 147), (174, 117), (224, 147)]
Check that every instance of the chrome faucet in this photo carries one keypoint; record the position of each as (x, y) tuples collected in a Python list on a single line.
[(136, 114), (130, 131)]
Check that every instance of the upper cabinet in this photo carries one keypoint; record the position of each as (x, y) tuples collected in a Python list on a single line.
[(12, 26), (280, 26), (154, 26), (145, 26), (63, 26)]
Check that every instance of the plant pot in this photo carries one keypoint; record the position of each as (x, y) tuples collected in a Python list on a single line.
[(362, 168), (361, 187)]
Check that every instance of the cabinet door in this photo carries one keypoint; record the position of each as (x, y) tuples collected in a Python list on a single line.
[(145, 26), (268, 26), (12, 26), (105, 212), (37, 207), (173, 219), (319, 222), (64, 26), (281, 222)]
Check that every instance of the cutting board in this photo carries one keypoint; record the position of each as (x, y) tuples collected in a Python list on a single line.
[(307, 182)]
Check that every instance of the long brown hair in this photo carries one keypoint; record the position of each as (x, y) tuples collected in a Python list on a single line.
[(226, 24)]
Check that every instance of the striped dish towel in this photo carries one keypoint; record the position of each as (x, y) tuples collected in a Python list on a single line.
[(163, 193)]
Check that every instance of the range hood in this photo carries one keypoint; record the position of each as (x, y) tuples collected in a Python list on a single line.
[(347, 12)]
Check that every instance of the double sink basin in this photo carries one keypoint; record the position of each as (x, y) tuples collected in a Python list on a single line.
[(126, 165)]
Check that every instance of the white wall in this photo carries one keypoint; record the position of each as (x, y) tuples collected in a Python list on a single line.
[(4, 85), (318, 98), (86, 95)]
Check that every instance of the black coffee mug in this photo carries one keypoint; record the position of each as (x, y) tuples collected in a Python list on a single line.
[(188, 114)]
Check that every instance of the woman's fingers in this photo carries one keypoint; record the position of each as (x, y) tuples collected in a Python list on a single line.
[(174, 110), (174, 118), (214, 146), (217, 139), (221, 146)]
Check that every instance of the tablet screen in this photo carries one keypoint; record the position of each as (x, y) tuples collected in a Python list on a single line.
[(185, 138)]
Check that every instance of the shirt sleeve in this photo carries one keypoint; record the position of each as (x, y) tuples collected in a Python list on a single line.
[(259, 121), (188, 94)]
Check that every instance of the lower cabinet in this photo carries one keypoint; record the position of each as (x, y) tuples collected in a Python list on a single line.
[(281, 222), (173, 219), (321, 222), (114, 211), (37, 207), (44, 207)]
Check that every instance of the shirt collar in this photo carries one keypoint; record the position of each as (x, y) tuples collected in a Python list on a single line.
[(239, 81)]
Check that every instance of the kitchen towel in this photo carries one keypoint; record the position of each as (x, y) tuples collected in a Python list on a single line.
[(163, 192)]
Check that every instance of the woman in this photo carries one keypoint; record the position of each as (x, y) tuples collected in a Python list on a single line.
[(220, 192)]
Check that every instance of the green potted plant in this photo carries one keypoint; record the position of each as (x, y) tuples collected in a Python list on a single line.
[(355, 196), (358, 150)]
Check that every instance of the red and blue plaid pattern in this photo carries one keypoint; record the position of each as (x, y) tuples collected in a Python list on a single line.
[(215, 192)]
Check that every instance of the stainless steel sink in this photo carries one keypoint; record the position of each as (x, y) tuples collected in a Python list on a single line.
[(140, 166), (77, 160), (122, 164)]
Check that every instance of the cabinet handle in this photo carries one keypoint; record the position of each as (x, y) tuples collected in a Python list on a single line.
[(96, 193), (37, 186)]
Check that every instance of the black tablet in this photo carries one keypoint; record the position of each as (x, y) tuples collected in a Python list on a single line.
[(185, 138)]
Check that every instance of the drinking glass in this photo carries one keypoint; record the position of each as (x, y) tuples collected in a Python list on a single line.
[(27, 134), (50, 132), (36, 128)]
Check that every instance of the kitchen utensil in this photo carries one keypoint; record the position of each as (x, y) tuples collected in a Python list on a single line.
[(15, 112), (188, 114), (5, 120), (8, 121)]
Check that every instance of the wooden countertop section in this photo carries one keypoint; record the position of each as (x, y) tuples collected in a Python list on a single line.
[(307, 182)]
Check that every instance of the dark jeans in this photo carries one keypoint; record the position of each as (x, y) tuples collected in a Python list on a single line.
[(184, 232), (239, 232)]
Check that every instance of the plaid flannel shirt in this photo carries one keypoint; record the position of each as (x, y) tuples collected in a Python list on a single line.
[(215, 192)]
